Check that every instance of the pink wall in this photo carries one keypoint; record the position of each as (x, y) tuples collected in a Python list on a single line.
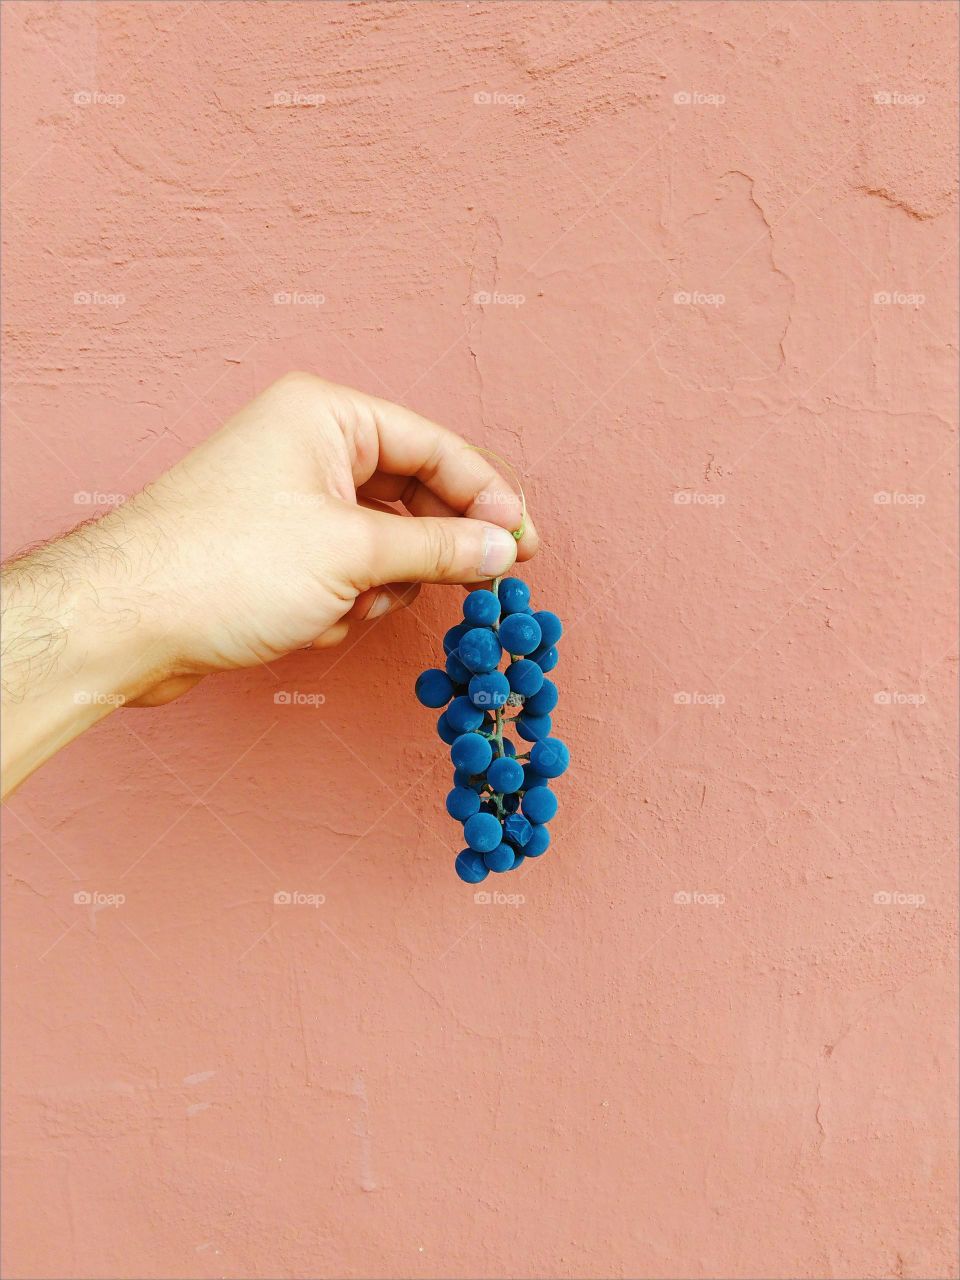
[(604, 1080)]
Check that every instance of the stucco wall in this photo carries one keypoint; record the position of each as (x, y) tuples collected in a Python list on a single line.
[(702, 207)]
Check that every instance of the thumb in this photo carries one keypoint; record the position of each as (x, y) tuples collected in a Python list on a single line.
[(435, 549)]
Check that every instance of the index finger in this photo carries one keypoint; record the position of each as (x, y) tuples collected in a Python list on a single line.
[(386, 437)]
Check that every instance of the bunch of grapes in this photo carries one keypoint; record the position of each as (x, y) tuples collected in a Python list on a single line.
[(501, 795)]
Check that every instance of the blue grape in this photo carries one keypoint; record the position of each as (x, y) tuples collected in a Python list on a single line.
[(508, 748), (551, 628), (518, 859), (471, 867), (516, 829), (543, 701), (532, 728), (519, 633), (481, 609), (446, 731), (457, 672), (490, 689), (525, 677), (514, 595), (546, 659), (499, 859), (462, 803), (538, 843), (479, 650), (453, 637), (463, 716), (483, 832), (539, 805), (471, 752), (434, 688), (550, 758), (463, 778), (511, 802), (505, 775)]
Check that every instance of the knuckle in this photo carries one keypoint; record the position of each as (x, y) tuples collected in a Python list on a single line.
[(441, 548)]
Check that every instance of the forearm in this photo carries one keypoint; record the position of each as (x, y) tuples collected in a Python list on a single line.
[(72, 648)]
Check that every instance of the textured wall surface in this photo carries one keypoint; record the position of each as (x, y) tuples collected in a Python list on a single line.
[(717, 244)]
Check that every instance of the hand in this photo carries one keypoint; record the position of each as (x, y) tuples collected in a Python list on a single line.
[(273, 535)]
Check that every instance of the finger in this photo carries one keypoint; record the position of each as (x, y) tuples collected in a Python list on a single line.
[(387, 437), (416, 497), (379, 601), (332, 636), (429, 549)]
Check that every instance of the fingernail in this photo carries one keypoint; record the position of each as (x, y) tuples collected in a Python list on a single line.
[(499, 552), (380, 606)]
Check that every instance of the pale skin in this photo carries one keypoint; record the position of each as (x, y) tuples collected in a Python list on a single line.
[(274, 534)]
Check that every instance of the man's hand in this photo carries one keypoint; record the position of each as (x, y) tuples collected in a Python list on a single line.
[(273, 535)]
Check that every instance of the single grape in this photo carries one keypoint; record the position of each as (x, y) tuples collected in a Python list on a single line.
[(546, 659), (550, 758), (514, 595), (518, 859), (446, 730), (462, 803), (463, 716), (543, 701), (538, 843), (519, 633), (508, 748), (531, 728), (453, 637), (539, 805), (481, 609), (480, 650), (525, 677), (470, 866), (551, 628), (483, 832), (434, 688), (457, 672), (490, 689), (516, 829), (505, 775), (499, 859), (471, 752)]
